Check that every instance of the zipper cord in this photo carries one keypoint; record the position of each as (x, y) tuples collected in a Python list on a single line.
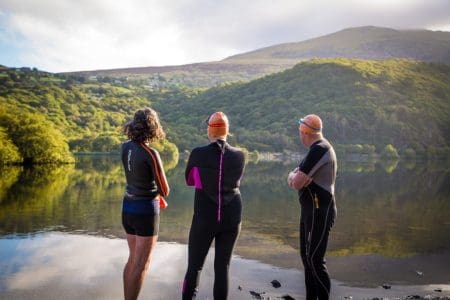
[(220, 183)]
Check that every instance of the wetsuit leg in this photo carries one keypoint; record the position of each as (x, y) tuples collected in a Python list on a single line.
[(224, 245), (315, 226), (319, 241), (305, 228), (200, 238)]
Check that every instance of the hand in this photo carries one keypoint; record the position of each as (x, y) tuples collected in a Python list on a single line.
[(300, 180), (291, 176)]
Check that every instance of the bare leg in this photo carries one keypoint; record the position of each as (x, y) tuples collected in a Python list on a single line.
[(138, 262), (131, 239)]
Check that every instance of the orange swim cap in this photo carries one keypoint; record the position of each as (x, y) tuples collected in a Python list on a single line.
[(310, 124), (218, 125)]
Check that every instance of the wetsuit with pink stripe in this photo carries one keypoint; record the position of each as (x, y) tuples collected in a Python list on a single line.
[(215, 171), (317, 216)]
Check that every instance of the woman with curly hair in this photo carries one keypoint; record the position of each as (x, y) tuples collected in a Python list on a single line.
[(146, 185)]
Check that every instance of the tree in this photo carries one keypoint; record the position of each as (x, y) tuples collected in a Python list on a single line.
[(389, 151), (9, 153), (36, 138)]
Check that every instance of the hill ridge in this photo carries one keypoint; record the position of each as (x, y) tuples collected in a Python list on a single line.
[(366, 42)]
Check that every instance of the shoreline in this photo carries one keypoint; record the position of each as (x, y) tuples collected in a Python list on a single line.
[(56, 265)]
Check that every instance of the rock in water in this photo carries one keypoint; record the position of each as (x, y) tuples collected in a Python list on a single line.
[(386, 286), (275, 283), (287, 297)]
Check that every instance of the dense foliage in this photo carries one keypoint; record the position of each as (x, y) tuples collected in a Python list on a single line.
[(365, 105), (30, 138), (88, 116), (399, 102)]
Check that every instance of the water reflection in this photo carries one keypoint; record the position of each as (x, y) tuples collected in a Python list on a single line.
[(390, 211), (55, 265)]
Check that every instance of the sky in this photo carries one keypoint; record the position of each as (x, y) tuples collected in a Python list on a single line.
[(75, 35)]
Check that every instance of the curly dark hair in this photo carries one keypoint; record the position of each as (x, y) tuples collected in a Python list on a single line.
[(144, 127)]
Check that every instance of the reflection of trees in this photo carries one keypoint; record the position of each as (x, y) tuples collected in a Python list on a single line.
[(94, 196), (8, 176), (389, 165), (86, 198), (394, 214), (176, 219), (34, 197)]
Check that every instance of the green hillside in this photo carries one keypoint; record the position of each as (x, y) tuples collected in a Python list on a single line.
[(399, 102), (42, 114), (367, 106), (202, 75)]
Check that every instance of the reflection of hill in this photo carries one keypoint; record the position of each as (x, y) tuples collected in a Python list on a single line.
[(393, 214), (378, 212), (86, 198)]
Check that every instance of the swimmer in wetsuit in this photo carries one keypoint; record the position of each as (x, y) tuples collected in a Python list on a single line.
[(215, 170), (146, 182), (314, 179)]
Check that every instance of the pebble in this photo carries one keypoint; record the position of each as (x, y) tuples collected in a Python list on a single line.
[(275, 283)]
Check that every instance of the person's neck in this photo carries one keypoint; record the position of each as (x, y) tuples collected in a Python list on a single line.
[(315, 138), (213, 140)]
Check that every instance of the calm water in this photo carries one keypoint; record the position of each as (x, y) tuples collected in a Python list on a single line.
[(393, 218)]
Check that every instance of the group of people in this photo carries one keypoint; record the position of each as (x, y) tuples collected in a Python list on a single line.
[(216, 170)]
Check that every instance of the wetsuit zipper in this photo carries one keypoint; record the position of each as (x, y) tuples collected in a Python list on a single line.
[(220, 187)]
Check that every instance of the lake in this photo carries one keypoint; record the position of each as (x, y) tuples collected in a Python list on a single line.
[(392, 226)]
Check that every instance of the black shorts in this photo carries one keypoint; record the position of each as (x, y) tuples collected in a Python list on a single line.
[(140, 224)]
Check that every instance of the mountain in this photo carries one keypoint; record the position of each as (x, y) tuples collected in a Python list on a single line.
[(362, 42), (400, 102)]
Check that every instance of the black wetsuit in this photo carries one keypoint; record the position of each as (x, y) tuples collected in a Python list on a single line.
[(318, 212), (215, 170), (140, 209)]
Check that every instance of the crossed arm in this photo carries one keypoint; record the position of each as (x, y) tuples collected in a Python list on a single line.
[(297, 179)]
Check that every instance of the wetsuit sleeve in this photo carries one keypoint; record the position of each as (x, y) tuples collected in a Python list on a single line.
[(192, 173), (312, 160), (157, 166), (187, 172), (161, 179)]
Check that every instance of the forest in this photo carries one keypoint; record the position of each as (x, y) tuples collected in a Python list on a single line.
[(367, 107), (385, 107)]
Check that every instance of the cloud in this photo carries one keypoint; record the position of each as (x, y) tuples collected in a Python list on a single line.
[(79, 35)]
